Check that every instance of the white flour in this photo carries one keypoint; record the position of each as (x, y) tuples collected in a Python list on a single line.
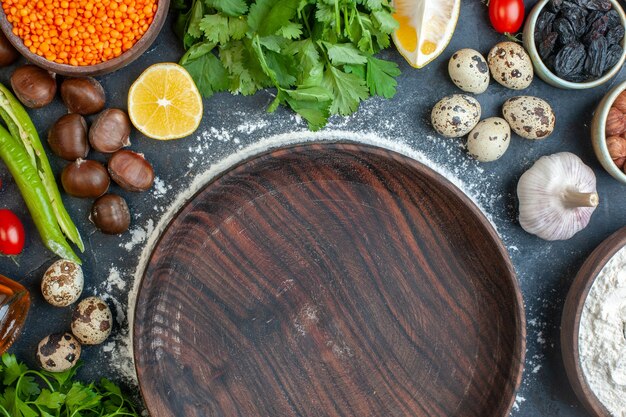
[(602, 336)]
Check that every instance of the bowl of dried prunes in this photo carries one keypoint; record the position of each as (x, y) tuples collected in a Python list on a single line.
[(576, 44)]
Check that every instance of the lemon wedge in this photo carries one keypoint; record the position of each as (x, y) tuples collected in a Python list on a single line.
[(426, 27), (164, 102)]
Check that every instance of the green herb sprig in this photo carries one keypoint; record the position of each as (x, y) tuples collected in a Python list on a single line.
[(318, 54), (29, 393)]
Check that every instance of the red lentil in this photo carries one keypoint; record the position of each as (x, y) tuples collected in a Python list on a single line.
[(79, 32)]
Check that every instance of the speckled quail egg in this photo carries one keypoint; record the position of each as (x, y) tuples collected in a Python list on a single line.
[(58, 352), (454, 116), (469, 71), (92, 321), (489, 140), (62, 283), (529, 117), (510, 65)]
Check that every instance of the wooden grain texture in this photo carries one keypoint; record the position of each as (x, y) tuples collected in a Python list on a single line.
[(570, 320), (90, 70), (329, 280)]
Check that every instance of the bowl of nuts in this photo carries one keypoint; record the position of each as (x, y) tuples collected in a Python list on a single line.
[(608, 132), (578, 44)]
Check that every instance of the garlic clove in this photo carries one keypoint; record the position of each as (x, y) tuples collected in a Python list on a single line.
[(557, 197)]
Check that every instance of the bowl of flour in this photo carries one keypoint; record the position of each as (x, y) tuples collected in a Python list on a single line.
[(593, 330)]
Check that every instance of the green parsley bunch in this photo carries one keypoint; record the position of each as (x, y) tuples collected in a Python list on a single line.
[(318, 54), (29, 393)]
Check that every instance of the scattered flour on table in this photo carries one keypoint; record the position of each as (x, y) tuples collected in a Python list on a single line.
[(215, 149), (138, 235), (518, 401), (602, 337)]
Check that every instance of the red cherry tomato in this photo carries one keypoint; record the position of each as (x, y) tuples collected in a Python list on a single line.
[(11, 233), (506, 16)]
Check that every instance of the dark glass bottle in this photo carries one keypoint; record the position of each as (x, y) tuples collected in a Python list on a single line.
[(14, 305)]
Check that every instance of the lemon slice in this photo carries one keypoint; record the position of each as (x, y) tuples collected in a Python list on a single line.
[(164, 102), (426, 27)]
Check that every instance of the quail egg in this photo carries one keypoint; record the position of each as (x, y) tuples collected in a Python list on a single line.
[(62, 283), (489, 140), (469, 71), (58, 352), (511, 66), (454, 116), (92, 321), (529, 117)]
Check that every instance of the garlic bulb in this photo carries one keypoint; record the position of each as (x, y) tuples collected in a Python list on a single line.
[(557, 196)]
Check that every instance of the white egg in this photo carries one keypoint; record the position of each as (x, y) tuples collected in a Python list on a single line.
[(489, 140), (469, 71), (529, 117), (58, 352), (511, 66), (454, 116), (62, 283), (92, 321)]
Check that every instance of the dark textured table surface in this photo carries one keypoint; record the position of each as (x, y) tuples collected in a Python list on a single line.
[(235, 126)]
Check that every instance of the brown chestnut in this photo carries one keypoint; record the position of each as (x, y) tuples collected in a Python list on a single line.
[(68, 137), (8, 54), (33, 86), (110, 214), (110, 132), (131, 171), (83, 95), (85, 179)]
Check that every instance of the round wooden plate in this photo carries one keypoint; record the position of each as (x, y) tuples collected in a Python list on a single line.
[(334, 280), (570, 320)]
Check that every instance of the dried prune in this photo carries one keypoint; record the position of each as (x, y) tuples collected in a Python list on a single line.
[(591, 18), (576, 16), (566, 33), (615, 35), (613, 56), (555, 5), (568, 6), (544, 23), (614, 19), (603, 5), (597, 53), (570, 60), (598, 29), (546, 46)]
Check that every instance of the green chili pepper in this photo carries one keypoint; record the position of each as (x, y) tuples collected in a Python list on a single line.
[(22, 128), (35, 195)]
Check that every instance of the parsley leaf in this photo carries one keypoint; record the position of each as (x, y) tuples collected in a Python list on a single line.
[(348, 90), (208, 73), (229, 7), (344, 53), (381, 77), (215, 28), (51, 400)]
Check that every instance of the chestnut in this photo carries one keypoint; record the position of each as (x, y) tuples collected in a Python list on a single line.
[(8, 54), (68, 137), (83, 95), (131, 171), (33, 86), (85, 179), (110, 214), (110, 132)]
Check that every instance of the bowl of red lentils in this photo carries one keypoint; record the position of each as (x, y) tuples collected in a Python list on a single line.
[(82, 37)]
